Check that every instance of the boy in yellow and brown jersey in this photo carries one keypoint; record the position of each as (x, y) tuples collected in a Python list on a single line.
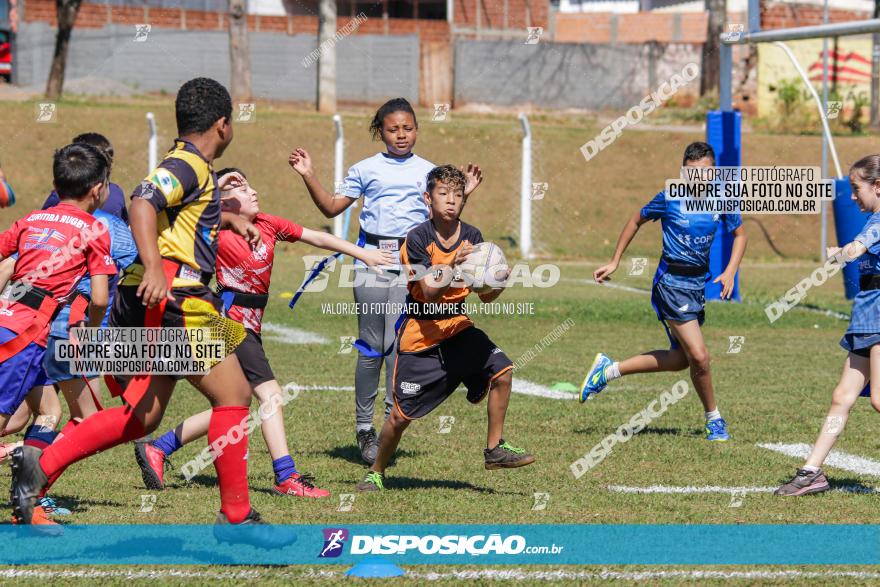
[(438, 346)]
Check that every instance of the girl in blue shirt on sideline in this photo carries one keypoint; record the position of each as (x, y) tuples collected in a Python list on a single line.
[(678, 294), (862, 337), (393, 185)]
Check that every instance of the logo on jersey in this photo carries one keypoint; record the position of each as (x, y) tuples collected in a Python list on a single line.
[(334, 541), (44, 235), (165, 181)]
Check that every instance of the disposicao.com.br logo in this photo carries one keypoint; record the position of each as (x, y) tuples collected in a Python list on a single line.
[(432, 544)]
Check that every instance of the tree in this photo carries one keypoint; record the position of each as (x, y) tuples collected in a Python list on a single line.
[(239, 52), (717, 10), (67, 10), (326, 99)]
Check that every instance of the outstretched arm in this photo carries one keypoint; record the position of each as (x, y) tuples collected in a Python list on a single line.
[(322, 240), (629, 231), (329, 204)]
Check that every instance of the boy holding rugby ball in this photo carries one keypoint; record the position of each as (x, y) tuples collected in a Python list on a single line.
[(438, 351)]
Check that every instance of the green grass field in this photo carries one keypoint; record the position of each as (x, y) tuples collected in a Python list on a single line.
[(775, 390)]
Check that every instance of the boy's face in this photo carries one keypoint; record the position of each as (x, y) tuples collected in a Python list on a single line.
[(399, 133), (240, 199), (864, 192), (446, 201)]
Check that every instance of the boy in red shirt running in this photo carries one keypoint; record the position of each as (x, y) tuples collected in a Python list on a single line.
[(243, 278), (56, 247)]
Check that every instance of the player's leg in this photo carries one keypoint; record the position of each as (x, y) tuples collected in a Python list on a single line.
[(690, 337), (228, 391), (389, 439), (18, 421), (368, 295), (34, 470), (79, 399), (397, 292), (151, 456), (856, 372), (288, 481), (44, 404)]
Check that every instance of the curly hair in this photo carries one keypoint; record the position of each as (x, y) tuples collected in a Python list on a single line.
[(448, 174), (200, 103)]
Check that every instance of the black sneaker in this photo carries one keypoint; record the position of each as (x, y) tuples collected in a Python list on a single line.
[(373, 481), (28, 480), (368, 443), (805, 482), (252, 530), (505, 456)]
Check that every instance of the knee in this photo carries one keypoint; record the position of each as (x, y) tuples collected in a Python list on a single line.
[(699, 359), (842, 399), (504, 381), (680, 363), (396, 420)]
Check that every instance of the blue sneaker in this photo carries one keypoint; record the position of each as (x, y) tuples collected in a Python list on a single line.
[(717, 430), (595, 380), (53, 509)]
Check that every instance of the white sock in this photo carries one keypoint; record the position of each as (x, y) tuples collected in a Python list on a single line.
[(810, 468), (713, 415), (612, 371)]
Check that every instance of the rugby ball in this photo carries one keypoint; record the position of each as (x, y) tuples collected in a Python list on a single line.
[(485, 268), (7, 196)]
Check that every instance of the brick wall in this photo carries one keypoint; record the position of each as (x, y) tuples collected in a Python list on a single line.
[(93, 16), (778, 15), (641, 27)]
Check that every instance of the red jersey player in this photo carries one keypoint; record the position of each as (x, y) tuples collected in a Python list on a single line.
[(243, 276), (56, 247)]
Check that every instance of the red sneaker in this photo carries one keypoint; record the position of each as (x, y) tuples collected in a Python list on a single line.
[(300, 486), (152, 463)]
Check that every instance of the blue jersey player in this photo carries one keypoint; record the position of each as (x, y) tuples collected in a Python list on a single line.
[(678, 294), (862, 337)]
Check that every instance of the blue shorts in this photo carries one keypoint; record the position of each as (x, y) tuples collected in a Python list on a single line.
[(58, 371), (20, 373), (681, 304), (858, 343)]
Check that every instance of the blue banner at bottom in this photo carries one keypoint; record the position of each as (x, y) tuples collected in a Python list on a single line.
[(442, 544)]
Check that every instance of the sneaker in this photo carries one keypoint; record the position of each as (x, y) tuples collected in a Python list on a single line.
[(595, 380), (152, 461), (368, 443), (805, 482), (716, 430), (41, 523), (300, 486), (6, 450), (28, 480), (505, 456), (51, 508), (372, 482), (252, 530)]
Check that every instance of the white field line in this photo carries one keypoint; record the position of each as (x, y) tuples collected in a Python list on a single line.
[(716, 489), (837, 459), (519, 386), (289, 335), (490, 574)]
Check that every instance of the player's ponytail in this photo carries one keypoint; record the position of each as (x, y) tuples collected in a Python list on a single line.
[(390, 107), (867, 168)]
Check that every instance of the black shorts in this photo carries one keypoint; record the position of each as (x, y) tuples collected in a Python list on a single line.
[(253, 359), (422, 381), (192, 307)]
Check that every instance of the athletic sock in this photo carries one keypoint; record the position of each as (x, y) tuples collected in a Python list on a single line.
[(810, 468), (39, 436), (284, 468), (100, 431), (167, 443), (229, 433), (362, 427), (713, 415), (612, 371)]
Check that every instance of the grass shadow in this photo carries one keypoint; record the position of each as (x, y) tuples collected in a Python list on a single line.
[(352, 454)]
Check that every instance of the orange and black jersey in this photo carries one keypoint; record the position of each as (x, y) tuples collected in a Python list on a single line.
[(183, 190), (422, 250)]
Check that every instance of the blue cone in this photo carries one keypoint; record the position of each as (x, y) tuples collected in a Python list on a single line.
[(374, 567)]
